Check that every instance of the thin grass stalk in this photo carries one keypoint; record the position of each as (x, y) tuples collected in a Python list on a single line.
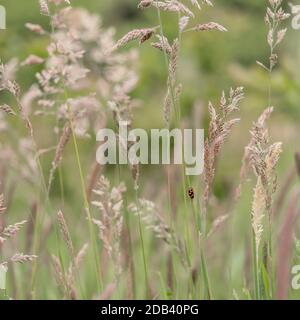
[(255, 267), (186, 180), (84, 193), (60, 260), (37, 239), (148, 290), (177, 118), (93, 237), (61, 184), (39, 217), (297, 164), (274, 17), (170, 87), (171, 266), (39, 220), (207, 293), (131, 265), (87, 208)]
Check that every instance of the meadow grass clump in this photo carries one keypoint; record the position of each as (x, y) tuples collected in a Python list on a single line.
[(134, 232), (7, 233)]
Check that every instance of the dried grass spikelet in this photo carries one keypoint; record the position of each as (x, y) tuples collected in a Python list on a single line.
[(138, 34), (145, 4), (32, 60), (23, 258), (36, 28), (207, 2), (258, 209), (108, 73), (259, 133), (60, 2), (153, 221), (122, 109), (63, 141), (178, 91), (110, 203), (162, 44), (263, 158), (208, 27), (58, 272), (44, 8), (183, 22), (271, 161), (217, 223), (167, 107), (64, 282), (10, 231), (135, 172), (173, 6), (219, 128), (29, 97), (65, 233), (195, 3), (8, 83), (93, 178), (2, 206), (7, 77), (173, 62), (81, 254), (173, 91), (7, 109), (73, 266), (274, 18)]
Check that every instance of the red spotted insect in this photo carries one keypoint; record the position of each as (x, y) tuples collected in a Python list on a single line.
[(191, 193)]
